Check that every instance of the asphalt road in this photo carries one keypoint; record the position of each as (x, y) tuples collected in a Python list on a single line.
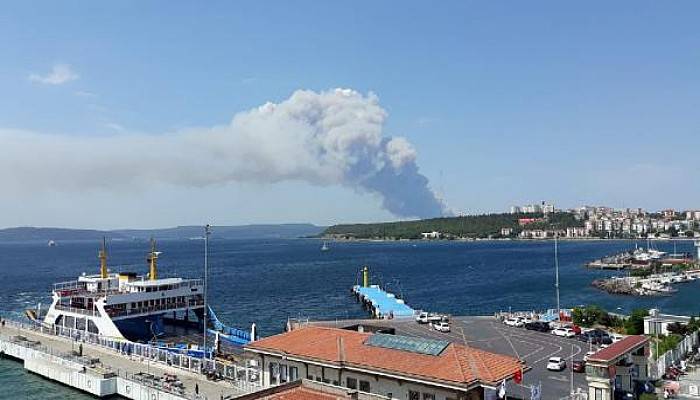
[(486, 333)]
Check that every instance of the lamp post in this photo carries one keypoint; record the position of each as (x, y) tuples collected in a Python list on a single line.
[(207, 232), (556, 268)]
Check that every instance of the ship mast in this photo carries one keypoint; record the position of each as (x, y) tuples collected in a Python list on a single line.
[(103, 259), (152, 258)]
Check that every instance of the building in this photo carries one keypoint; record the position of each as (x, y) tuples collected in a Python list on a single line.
[(431, 235), (515, 210), (397, 367), (305, 389), (657, 323), (617, 368), (505, 232)]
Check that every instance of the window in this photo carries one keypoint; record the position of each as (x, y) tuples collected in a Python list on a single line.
[(413, 395), (283, 373), (274, 372), (598, 394), (351, 383), (364, 386), (293, 374), (428, 396)]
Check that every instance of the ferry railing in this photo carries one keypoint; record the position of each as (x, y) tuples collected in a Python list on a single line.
[(149, 309), (243, 377), (81, 311)]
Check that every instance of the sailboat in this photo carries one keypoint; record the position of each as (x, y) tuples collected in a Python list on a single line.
[(325, 246)]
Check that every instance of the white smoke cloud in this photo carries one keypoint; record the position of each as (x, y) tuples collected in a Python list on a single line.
[(323, 138)]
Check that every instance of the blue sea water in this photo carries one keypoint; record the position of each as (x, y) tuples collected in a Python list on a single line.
[(268, 281)]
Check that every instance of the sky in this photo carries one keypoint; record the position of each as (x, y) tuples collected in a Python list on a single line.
[(157, 114)]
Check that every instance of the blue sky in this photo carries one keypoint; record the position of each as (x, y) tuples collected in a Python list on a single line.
[(504, 103)]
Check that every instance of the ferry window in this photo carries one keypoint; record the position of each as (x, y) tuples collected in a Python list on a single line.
[(364, 386), (413, 395), (351, 383), (428, 396), (92, 328)]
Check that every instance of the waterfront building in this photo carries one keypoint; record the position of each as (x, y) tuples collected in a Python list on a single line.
[(617, 368), (305, 389), (431, 235), (396, 367), (657, 323)]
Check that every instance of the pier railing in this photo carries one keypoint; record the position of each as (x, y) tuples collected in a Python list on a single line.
[(245, 377)]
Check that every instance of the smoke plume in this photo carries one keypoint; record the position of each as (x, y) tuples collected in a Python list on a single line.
[(323, 138)]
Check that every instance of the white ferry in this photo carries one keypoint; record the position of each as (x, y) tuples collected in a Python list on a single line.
[(125, 305)]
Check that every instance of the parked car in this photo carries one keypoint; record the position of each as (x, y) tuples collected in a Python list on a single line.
[(564, 332), (539, 326), (588, 354), (422, 318), (442, 326), (514, 321), (432, 317), (556, 364), (578, 366), (616, 337)]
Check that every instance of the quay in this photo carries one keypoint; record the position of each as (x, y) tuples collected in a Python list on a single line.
[(104, 367), (380, 303)]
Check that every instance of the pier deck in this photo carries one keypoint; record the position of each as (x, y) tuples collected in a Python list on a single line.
[(119, 364), (384, 304)]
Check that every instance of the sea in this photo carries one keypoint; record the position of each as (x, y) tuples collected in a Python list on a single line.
[(268, 281)]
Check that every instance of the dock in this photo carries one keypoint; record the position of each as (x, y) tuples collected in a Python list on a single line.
[(104, 367), (380, 303)]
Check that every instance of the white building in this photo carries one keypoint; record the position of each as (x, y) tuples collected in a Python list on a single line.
[(431, 235), (657, 323), (397, 367)]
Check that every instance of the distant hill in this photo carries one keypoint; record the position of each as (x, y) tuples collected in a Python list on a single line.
[(472, 226), (281, 231), (278, 231), (46, 234)]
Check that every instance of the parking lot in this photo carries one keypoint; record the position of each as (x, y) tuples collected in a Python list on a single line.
[(486, 333)]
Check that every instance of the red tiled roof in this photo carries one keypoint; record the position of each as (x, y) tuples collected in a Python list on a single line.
[(455, 364), (617, 349), (302, 393)]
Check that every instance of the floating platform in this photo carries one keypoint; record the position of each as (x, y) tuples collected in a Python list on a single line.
[(381, 303)]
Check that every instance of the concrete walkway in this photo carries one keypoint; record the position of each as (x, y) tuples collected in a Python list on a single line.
[(123, 364)]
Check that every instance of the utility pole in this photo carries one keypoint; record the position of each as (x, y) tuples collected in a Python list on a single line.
[(556, 267), (207, 232)]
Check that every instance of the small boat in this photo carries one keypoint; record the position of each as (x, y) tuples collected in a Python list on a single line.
[(52, 243), (325, 247)]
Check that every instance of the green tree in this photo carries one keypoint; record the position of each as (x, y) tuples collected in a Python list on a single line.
[(587, 316), (634, 325)]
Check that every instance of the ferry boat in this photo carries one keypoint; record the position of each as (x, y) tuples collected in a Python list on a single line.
[(129, 306)]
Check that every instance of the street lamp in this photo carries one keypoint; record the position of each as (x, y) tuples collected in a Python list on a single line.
[(207, 232)]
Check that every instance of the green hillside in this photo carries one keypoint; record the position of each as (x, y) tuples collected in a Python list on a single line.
[(471, 226)]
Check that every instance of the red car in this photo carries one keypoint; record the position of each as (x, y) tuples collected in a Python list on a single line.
[(578, 366)]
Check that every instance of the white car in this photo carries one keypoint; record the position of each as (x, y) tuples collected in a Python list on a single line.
[(588, 354), (564, 332), (514, 321), (616, 337), (556, 364), (422, 318), (442, 326)]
